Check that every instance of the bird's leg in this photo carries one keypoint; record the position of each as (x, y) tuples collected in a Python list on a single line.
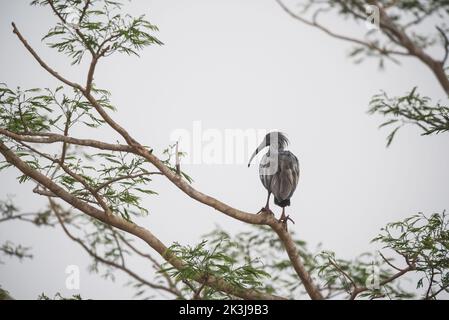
[(267, 209), (284, 219)]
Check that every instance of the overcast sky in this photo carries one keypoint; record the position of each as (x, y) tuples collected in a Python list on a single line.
[(237, 65)]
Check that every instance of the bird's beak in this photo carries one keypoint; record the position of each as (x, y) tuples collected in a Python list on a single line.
[(259, 148)]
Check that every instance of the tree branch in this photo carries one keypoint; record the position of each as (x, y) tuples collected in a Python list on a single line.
[(42, 63), (405, 41), (446, 45), (344, 273), (22, 217), (49, 138), (138, 149), (130, 176), (399, 274), (388, 262), (329, 32), (84, 11), (138, 231), (258, 219), (122, 267), (393, 32), (77, 31), (156, 264)]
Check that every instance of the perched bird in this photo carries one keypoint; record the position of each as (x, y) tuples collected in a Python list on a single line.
[(278, 171)]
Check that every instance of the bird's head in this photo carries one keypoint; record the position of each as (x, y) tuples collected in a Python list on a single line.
[(276, 140)]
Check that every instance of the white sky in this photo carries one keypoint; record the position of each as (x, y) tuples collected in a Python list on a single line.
[(237, 65)]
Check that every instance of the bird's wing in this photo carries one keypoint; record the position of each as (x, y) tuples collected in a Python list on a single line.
[(285, 181)]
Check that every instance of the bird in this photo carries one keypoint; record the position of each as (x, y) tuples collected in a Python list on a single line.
[(278, 171)]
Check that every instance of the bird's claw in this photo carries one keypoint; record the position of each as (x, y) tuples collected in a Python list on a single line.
[(265, 210), (284, 220)]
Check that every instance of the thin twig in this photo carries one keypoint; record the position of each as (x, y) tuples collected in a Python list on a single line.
[(131, 176), (42, 63), (388, 262)]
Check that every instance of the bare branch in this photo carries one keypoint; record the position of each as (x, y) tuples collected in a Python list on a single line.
[(315, 24), (429, 288), (446, 45), (388, 262), (66, 133), (84, 11), (49, 138), (344, 273), (42, 63), (442, 288), (23, 217), (415, 50), (114, 125), (197, 294)]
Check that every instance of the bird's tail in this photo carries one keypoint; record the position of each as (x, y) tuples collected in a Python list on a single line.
[(282, 203)]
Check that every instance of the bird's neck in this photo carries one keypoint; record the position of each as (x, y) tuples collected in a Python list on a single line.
[(274, 149)]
